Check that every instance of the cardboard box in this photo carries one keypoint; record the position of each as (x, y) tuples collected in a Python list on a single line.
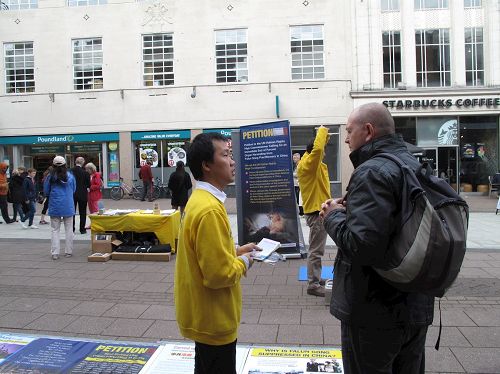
[(103, 258), (104, 242), (141, 256)]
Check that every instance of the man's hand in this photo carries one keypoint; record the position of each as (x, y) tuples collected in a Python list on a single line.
[(330, 205), (249, 248)]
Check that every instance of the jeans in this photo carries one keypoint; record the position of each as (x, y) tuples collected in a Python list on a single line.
[(317, 242), (55, 225), (18, 209), (147, 189), (30, 214)]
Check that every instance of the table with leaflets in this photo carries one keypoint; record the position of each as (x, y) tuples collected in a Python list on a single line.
[(164, 225)]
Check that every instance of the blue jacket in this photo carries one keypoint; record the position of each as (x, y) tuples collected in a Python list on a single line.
[(29, 189), (60, 195)]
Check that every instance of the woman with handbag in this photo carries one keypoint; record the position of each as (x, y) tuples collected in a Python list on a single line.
[(95, 190)]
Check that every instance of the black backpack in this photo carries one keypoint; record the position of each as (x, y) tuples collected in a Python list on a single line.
[(426, 252)]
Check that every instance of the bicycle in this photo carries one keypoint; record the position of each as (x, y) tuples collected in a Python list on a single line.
[(117, 192), (160, 189)]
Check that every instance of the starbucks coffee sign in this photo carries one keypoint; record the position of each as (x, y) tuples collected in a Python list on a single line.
[(475, 102)]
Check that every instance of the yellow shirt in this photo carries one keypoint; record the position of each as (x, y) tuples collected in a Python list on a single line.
[(207, 288), (313, 177)]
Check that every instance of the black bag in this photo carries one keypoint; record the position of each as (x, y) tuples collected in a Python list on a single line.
[(40, 198), (427, 250)]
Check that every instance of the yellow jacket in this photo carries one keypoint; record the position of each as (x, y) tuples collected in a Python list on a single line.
[(313, 177), (207, 288)]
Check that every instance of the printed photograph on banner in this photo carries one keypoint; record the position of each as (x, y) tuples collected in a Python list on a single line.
[(10, 344), (267, 188), (148, 151), (289, 360)]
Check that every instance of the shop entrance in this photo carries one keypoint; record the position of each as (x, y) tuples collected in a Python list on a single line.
[(444, 163)]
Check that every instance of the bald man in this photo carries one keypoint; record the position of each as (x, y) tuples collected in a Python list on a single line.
[(383, 329)]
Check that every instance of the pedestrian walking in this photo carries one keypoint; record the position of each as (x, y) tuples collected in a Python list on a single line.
[(209, 267), (17, 196), (82, 180), (4, 190), (314, 184), (180, 184), (383, 330), (59, 187), (146, 175), (30, 193), (46, 173), (95, 191)]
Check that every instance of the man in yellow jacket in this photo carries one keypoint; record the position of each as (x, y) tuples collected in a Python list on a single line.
[(314, 185), (209, 266)]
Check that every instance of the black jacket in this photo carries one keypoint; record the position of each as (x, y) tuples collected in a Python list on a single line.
[(362, 233), (180, 184), (16, 189), (82, 180)]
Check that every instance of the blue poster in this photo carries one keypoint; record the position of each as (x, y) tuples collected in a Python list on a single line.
[(266, 191)]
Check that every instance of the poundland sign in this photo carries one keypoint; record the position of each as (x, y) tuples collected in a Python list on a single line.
[(51, 139), (491, 102)]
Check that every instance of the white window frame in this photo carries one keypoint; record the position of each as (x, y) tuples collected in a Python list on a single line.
[(468, 4), (472, 49), (72, 3), (442, 45), (160, 54), (20, 67), (307, 41), (389, 6), (425, 4), (18, 4), (89, 57), (392, 59), (231, 64)]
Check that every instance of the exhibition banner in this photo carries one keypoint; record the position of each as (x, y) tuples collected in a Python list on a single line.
[(266, 197)]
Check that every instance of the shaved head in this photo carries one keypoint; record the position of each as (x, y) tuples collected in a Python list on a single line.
[(376, 114)]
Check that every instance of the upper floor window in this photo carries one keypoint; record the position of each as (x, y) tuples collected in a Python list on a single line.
[(231, 51), (87, 64), (431, 4), (19, 67), (86, 2), (389, 5), (158, 59), (306, 44), (18, 4), (433, 57), (472, 3), (391, 49), (474, 62)]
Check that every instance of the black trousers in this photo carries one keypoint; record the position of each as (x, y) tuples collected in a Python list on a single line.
[(82, 211), (215, 359), (5, 209), (376, 350)]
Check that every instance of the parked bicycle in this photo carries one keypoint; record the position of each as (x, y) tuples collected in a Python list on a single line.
[(117, 192), (160, 189)]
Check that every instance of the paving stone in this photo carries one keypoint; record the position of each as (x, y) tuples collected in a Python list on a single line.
[(258, 334), (128, 327), (123, 285), (300, 334), (250, 316), (41, 272), (51, 322), (91, 308), (153, 287), (489, 317), (12, 280), (482, 336), (38, 281), (250, 290), (148, 277), (127, 310), (162, 312), (450, 337), (57, 306), (95, 274), (332, 335), (4, 300), (285, 290), (270, 279), (93, 284), (318, 317), (453, 318), (479, 360), (121, 275), (18, 319), (89, 325), (164, 330), (24, 304), (442, 361), (280, 317), (473, 273)]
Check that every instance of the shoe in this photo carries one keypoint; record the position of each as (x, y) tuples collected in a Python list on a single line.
[(23, 225), (55, 257), (83, 232), (43, 223), (318, 291), (33, 227), (322, 282), (68, 255), (143, 200)]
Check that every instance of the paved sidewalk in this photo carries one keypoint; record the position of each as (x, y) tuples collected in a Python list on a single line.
[(133, 301)]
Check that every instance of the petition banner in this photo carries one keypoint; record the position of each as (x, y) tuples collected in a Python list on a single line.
[(265, 191)]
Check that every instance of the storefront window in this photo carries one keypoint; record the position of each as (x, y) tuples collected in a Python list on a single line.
[(478, 150), (301, 136), (407, 127), (437, 131), (113, 164)]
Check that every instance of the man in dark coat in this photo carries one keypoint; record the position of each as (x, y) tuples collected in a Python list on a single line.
[(82, 179), (383, 329)]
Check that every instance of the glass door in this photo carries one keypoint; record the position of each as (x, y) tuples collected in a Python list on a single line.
[(429, 155), (447, 165)]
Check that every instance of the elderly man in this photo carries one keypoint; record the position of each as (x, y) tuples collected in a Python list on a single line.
[(383, 329), (80, 197)]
